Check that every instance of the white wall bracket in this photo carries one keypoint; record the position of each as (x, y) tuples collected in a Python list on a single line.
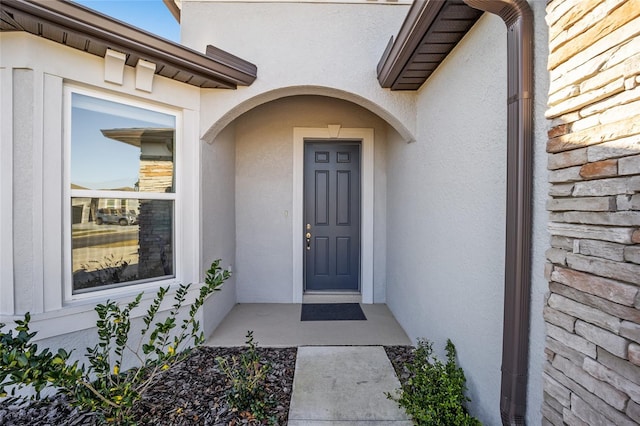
[(114, 66), (145, 71)]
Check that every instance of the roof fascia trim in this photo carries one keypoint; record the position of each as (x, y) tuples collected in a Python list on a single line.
[(173, 8), (228, 70), (420, 17)]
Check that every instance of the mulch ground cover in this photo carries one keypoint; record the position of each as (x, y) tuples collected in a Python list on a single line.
[(191, 393)]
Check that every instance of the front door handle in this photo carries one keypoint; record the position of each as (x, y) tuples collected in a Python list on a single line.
[(308, 238)]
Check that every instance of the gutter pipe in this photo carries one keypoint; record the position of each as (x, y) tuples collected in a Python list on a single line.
[(518, 17)]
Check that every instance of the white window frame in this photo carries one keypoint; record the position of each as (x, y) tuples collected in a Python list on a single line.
[(68, 193)]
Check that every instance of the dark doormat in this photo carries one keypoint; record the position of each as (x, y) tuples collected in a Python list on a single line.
[(332, 312)]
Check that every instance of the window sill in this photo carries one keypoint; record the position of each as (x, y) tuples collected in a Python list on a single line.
[(80, 315)]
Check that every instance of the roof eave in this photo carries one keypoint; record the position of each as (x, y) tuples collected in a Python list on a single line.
[(217, 68), (399, 50), (428, 22), (173, 8)]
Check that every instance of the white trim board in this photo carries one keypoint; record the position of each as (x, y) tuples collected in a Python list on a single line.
[(6, 193), (334, 133)]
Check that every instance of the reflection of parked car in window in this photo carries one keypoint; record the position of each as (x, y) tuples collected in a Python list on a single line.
[(120, 216)]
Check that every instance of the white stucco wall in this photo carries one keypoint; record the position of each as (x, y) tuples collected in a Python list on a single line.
[(446, 215), (264, 191), (299, 48), (438, 205), (446, 242), (219, 221), (33, 75)]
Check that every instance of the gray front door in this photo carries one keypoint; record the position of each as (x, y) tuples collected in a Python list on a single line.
[(332, 215)]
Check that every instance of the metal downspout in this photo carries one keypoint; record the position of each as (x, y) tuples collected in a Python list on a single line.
[(518, 17)]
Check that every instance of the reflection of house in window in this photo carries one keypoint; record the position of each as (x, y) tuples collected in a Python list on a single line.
[(122, 193), (81, 211), (155, 175), (156, 155)]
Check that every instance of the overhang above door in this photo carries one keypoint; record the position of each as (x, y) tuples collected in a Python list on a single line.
[(429, 33)]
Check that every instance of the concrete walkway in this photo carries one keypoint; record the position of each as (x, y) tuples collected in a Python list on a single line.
[(342, 371), (344, 385)]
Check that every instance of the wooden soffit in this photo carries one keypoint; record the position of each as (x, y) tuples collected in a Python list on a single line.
[(429, 33), (84, 29)]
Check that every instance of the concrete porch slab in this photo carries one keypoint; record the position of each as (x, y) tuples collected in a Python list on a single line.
[(279, 325), (340, 385)]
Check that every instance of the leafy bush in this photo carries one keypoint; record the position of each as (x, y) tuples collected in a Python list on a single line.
[(247, 381), (102, 386), (434, 393), (22, 365)]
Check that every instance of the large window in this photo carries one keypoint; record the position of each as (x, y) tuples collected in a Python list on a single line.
[(122, 193)]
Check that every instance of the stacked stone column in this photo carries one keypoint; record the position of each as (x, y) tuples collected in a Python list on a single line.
[(592, 312)]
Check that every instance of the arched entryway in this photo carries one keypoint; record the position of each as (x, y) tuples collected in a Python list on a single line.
[(260, 155)]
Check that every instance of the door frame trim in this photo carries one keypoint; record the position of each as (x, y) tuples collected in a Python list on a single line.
[(334, 133)]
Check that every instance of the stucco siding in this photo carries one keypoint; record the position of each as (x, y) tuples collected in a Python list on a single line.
[(35, 73), (263, 204), (298, 48), (380, 208), (446, 217), (438, 201), (25, 184), (219, 221), (446, 241)]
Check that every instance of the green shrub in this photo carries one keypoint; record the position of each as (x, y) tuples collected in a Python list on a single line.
[(434, 393), (103, 387), (22, 365), (246, 376)]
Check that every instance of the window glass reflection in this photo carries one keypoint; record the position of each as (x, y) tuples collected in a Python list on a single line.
[(116, 241), (120, 147)]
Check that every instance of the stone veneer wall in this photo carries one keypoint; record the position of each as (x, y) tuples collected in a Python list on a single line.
[(155, 217), (592, 313)]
